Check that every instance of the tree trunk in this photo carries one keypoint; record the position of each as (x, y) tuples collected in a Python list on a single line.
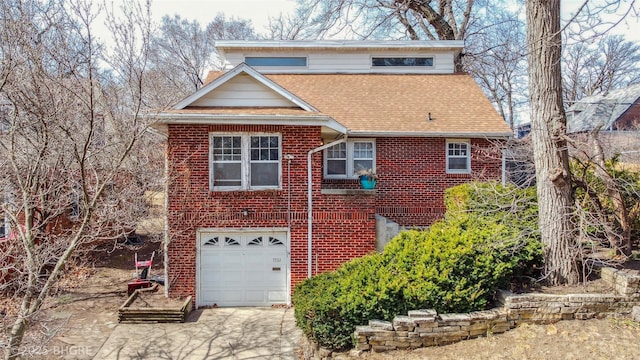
[(548, 128)]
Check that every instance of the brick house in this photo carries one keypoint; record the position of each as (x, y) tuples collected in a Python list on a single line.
[(263, 159)]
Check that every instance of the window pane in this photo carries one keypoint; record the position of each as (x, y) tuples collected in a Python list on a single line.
[(458, 164), (337, 151), (402, 61), (275, 61), (227, 174), (336, 167), (362, 165), (264, 174), (363, 150), (265, 148), (226, 148)]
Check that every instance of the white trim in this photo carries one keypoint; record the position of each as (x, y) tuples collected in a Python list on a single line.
[(244, 69), (467, 142), (338, 44), (200, 231), (245, 162), (350, 159), (247, 119), (489, 135)]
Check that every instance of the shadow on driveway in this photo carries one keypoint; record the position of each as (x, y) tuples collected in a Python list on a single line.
[(221, 333)]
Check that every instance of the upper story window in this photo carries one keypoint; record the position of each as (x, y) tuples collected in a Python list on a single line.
[(458, 157), (402, 61), (276, 61), (245, 161), (343, 160)]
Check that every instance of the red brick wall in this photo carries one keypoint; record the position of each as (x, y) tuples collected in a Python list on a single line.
[(412, 176), (410, 191), (630, 120), (343, 227)]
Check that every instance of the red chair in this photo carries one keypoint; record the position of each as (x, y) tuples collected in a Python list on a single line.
[(142, 279)]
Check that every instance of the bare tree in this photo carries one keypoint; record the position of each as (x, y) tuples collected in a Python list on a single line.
[(289, 27), (232, 28), (495, 56), (183, 52), (72, 175), (377, 19), (548, 129), (611, 63)]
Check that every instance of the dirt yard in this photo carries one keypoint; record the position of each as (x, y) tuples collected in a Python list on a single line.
[(84, 313)]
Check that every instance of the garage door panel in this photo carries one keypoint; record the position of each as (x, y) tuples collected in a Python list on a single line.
[(277, 296), (243, 269)]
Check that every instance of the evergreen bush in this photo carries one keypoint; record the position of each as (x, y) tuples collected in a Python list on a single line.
[(454, 266)]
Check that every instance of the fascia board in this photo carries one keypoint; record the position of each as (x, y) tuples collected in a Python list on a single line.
[(330, 44), (491, 135), (217, 119)]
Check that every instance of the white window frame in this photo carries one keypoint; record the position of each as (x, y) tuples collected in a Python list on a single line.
[(350, 159), (245, 162), (467, 143)]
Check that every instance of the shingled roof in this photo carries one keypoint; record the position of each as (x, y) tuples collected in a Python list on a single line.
[(386, 104), (395, 104), (602, 111)]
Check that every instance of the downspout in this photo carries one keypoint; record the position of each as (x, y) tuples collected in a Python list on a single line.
[(310, 201), (165, 249), (504, 167)]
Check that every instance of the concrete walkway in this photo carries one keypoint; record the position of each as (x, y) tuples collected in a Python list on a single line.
[(222, 333)]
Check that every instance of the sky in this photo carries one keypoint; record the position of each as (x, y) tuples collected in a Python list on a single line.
[(259, 11)]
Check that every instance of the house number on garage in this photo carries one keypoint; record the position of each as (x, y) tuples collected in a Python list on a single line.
[(277, 260)]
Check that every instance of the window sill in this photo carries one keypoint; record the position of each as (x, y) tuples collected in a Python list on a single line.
[(348, 192)]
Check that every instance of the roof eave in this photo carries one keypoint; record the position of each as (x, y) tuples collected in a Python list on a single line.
[(340, 44), (165, 119), (439, 134)]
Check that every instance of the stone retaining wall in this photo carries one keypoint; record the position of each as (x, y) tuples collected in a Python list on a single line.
[(421, 328), (625, 282)]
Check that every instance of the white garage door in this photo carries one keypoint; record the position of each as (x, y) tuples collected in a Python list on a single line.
[(243, 268)]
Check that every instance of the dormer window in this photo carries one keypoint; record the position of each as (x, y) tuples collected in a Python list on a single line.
[(402, 61), (276, 61)]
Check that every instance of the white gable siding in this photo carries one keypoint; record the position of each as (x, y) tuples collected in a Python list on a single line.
[(243, 91), (346, 62)]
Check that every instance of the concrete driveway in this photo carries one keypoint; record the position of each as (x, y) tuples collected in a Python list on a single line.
[(222, 333)]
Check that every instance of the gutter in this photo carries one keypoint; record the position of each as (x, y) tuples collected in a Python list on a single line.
[(489, 135), (310, 202)]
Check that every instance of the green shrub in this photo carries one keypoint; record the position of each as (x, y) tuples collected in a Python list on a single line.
[(591, 192), (454, 266)]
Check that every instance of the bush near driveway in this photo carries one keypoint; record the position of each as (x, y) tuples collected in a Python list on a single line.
[(454, 266)]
